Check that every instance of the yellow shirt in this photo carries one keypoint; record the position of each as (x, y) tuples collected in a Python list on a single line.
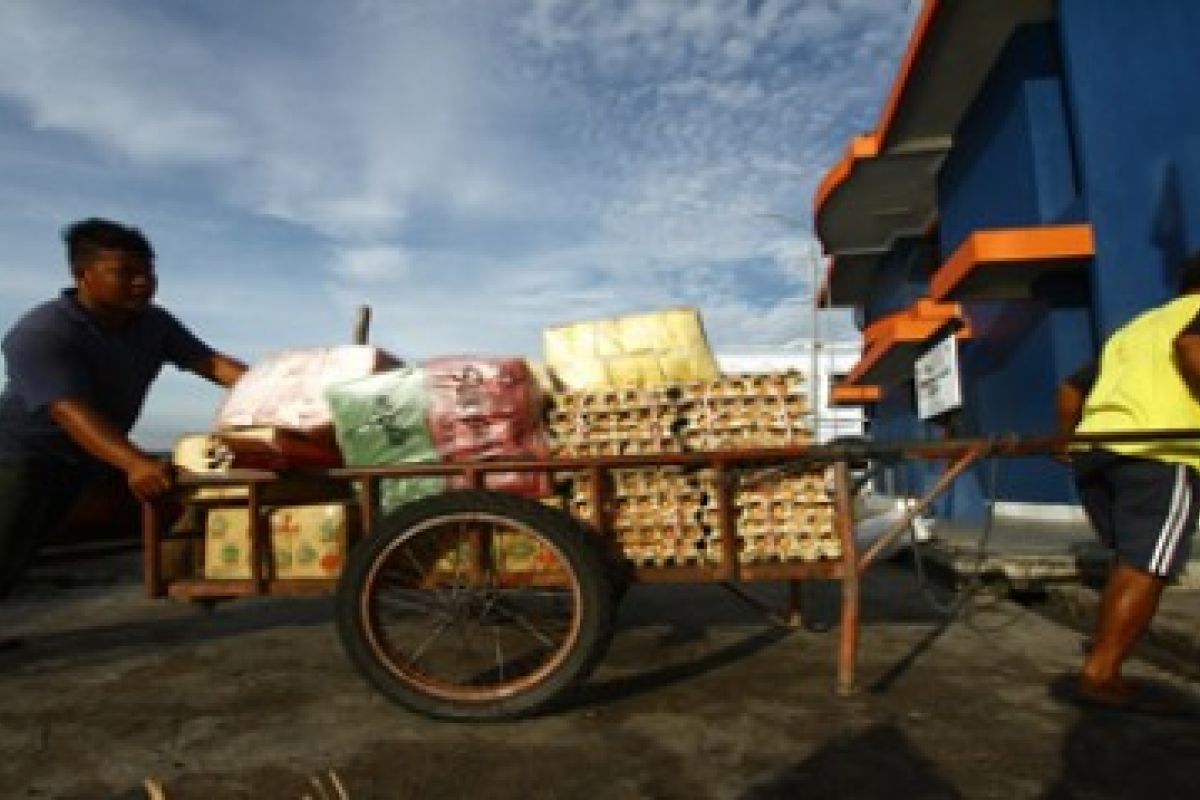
[(1139, 387)]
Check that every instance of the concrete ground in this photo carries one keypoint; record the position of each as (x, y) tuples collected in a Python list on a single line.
[(1066, 565), (697, 698)]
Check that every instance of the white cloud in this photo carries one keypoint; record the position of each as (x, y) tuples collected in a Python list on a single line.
[(475, 169), (80, 68), (372, 264), (20, 288)]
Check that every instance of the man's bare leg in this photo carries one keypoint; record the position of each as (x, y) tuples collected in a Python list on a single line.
[(1128, 604)]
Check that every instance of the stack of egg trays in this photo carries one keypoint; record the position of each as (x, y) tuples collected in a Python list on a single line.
[(787, 518), (658, 515), (670, 516), (733, 412)]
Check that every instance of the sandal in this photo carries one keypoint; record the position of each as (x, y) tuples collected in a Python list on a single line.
[(1149, 698)]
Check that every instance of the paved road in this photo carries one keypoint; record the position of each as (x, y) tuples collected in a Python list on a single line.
[(698, 698)]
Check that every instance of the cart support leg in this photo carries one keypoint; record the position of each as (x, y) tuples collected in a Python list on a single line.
[(262, 564), (844, 520), (795, 607), (152, 549), (848, 651), (968, 457)]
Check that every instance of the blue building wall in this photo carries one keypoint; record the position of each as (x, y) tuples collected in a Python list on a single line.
[(901, 278), (1013, 165), (1096, 118), (1132, 70), (894, 419)]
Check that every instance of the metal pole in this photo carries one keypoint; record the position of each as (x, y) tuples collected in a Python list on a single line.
[(816, 385), (948, 477)]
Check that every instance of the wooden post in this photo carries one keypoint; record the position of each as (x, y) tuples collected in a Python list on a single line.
[(260, 539), (600, 499), (368, 505), (474, 478), (362, 325), (482, 544), (152, 549), (727, 523)]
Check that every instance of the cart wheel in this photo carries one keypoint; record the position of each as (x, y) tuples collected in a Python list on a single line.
[(475, 605)]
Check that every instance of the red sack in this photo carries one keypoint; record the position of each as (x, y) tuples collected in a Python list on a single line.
[(488, 409), (276, 448)]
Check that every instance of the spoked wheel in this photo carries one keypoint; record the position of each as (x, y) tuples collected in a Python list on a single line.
[(475, 605)]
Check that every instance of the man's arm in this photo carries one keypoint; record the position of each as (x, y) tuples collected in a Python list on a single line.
[(220, 369), (1187, 360), (1069, 404), (148, 477), (1072, 395), (1187, 356)]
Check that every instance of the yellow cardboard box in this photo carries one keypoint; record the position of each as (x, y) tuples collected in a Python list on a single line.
[(639, 350), (307, 541)]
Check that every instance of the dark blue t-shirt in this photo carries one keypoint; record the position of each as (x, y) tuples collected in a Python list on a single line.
[(57, 350)]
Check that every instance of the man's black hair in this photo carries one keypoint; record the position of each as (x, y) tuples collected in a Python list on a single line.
[(87, 238), (1189, 273)]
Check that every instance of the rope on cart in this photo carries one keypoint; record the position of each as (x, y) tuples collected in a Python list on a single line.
[(964, 594)]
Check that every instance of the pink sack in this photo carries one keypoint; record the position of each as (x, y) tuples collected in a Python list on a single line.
[(287, 389), (489, 409)]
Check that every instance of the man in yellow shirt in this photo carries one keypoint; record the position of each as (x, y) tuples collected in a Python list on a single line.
[(1143, 498)]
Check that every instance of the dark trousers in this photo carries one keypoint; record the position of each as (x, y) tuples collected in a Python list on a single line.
[(35, 499)]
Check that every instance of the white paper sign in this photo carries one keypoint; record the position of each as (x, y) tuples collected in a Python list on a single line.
[(935, 375)]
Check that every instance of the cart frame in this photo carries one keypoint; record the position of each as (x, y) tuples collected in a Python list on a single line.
[(728, 467)]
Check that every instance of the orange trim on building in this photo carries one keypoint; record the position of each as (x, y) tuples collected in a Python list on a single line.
[(871, 356), (920, 32), (1011, 246), (914, 325), (868, 146), (908, 324), (861, 148), (855, 395)]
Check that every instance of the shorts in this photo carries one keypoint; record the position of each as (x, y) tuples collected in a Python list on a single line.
[(1144, 510)]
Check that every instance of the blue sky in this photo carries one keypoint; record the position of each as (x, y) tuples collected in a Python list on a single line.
[(475, 170)]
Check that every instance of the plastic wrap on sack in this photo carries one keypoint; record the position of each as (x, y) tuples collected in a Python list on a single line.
[(287, 389), (382, 420), (489, 409)]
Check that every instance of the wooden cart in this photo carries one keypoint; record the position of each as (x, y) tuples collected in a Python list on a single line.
[(436, 612)]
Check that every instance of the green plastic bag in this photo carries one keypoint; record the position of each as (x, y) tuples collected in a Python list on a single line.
[(380, 420)]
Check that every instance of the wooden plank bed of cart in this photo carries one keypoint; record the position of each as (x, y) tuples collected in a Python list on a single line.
[(474, 604)]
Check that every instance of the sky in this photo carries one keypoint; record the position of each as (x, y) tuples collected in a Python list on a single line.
[(474, 170)]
